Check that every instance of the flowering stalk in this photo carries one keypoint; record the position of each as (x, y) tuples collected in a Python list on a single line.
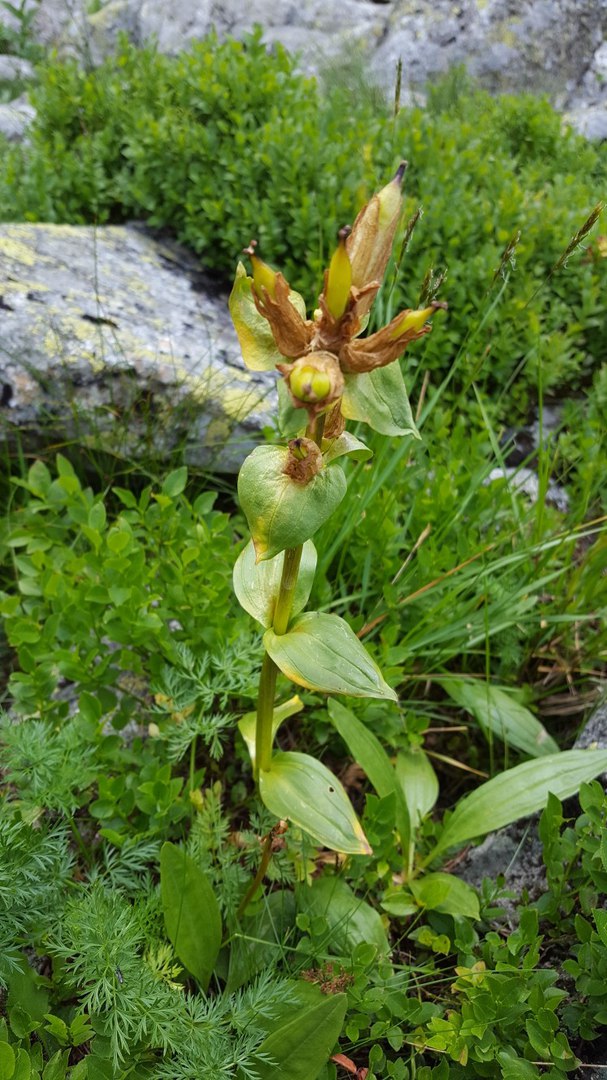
[(330, 374)]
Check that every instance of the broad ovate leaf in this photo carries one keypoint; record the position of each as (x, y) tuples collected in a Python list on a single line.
[(518, 792), (321, 652), (302, 790), (351, 921), (379, 398), (299, 1049), (257, 584), (446, 893), (191, 912), (498, 712), (247, 723), (257, 344), (282, 513), (418, 782), (369, 753)]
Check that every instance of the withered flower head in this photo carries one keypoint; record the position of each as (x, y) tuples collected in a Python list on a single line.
[(326, 352)]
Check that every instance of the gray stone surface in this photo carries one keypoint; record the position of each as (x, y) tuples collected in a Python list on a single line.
[(553, 46), (118, 337), (15, 119), (527, 482), (13, 67)]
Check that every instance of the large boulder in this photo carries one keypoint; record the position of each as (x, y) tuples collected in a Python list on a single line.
[(554, 46), (112, 336), (557, 47)]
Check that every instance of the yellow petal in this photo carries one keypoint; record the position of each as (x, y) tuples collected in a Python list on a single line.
[(411, 320), (263, 276), (339, 279)]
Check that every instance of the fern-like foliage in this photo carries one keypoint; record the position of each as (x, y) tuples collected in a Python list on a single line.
[(35, 865), (192, 695), (131, 989), (47, 765)]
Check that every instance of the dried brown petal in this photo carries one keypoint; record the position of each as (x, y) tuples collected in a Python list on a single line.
[(370, 242), (381, 348), (291, 333)]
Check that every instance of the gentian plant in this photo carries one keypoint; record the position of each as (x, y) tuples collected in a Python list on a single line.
[(329, 374)]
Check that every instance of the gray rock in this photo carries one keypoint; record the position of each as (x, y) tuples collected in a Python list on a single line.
[(15, 119), (556, 47), (590, 121), (119, 338), (527, 482), (13, 67)]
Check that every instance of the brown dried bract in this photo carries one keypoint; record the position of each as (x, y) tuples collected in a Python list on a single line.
[(304, 461), (291, 333)]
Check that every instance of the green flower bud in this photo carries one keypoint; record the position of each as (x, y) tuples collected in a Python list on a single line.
[(309, 385)]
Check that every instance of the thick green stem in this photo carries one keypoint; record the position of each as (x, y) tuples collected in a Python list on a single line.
[(282, 614), (265, 713), (269, 671), (288, 582)]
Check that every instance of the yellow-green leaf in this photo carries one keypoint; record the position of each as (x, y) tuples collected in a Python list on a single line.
[(247, 723), (282, 513), (446, 893), (302, 790), (191, 912), (257, 344), (345, 444), (299, 1049), (501, 713), (321, 652), (518, 792), (369, 753), (379, 398), (257, 584), (418, 782)]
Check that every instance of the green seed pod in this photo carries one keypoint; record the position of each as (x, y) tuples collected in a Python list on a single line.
[(282, 512), (315, 381)]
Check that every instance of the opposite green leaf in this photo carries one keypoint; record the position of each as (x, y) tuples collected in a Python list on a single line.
[(257, 344), (282, 513), (418, 782), (191, 912), (302, 790), (298, 1050), (446, 893), (502, 714), (247, 723), (321, 652), (379, 398), (519, 792), (369, 753), (346, 444), (257, 584)]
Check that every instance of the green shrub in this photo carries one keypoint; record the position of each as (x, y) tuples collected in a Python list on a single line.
[(227, 142)]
